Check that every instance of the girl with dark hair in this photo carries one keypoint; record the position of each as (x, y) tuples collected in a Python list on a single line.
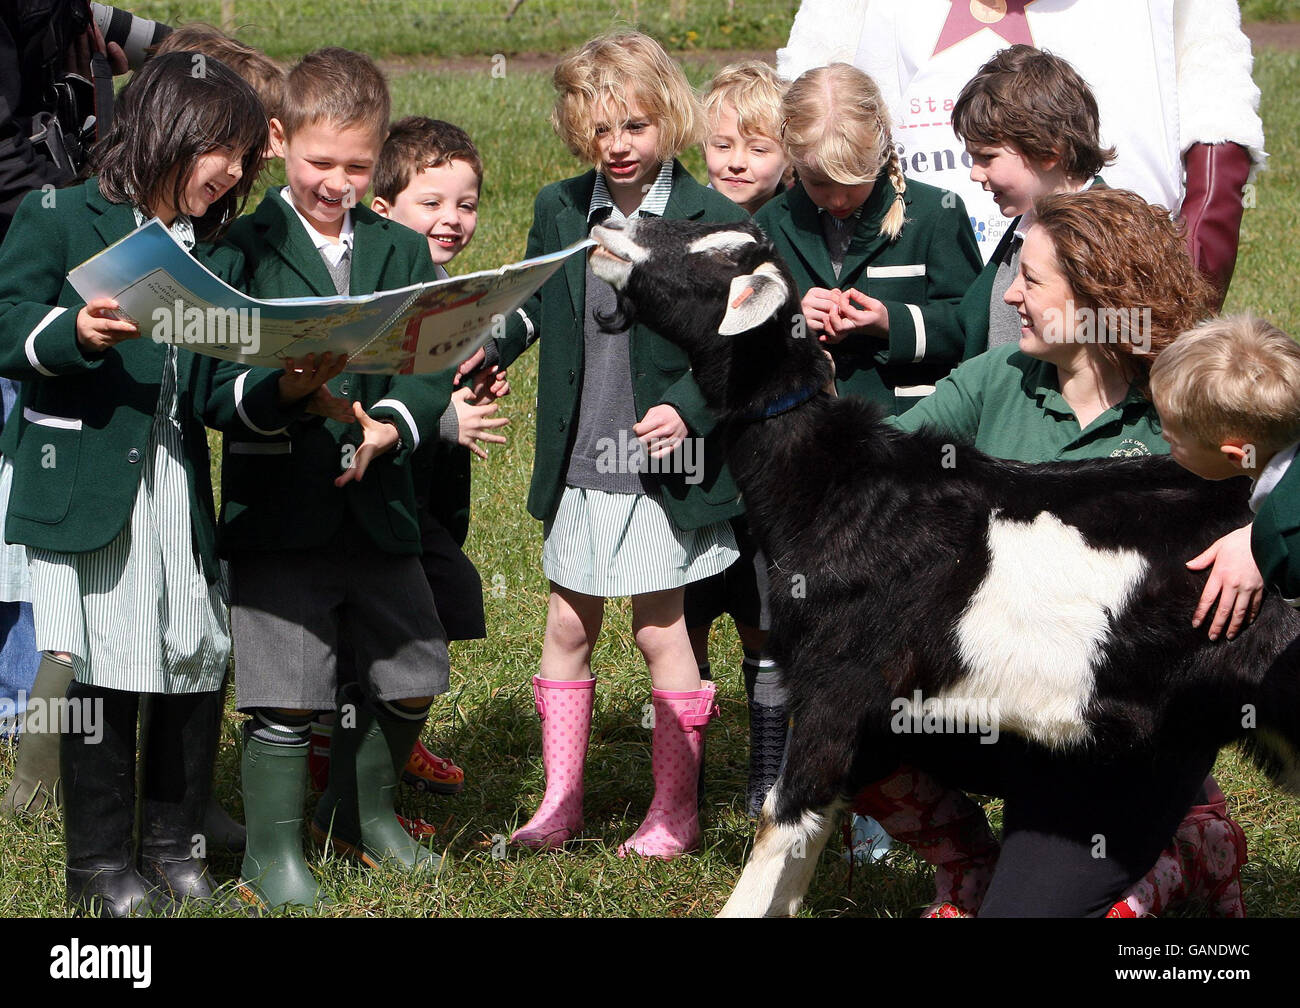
[(108, 462)]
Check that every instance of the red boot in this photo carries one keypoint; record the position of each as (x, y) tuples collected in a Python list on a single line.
[(944, 827), (1202, 863)]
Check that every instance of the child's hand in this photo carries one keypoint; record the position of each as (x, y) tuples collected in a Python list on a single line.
[(500, 387), (471, 363), (481, 378), (378, 436), (857, 312), (99, 328), (1235, 580), (476, 421), (325, 403), (817, 305), (303, 377), (660, 430)]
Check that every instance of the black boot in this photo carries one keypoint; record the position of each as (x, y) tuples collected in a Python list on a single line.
[(768, 726), (98, 759), (180, 744), (767, 731)]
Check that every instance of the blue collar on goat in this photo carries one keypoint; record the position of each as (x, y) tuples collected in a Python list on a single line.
[(782, 405)]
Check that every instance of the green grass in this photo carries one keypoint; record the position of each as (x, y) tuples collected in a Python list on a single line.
[(439, 28), (487, 721), (1270, 10)]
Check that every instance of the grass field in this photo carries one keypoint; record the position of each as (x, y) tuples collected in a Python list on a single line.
[(436, 28), (487, 721)]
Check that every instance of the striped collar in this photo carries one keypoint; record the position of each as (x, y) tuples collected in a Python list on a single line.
[(654, 203), (182, 228)]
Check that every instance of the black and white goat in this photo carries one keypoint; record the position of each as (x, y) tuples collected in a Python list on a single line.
[(1057, 593)]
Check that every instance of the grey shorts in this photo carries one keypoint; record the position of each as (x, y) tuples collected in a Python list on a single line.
[(292, 612)]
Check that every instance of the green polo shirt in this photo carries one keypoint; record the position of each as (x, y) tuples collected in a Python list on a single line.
[(1009, 405)]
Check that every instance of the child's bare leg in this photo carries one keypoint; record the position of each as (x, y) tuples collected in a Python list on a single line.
[(572, 626), (660, 631)]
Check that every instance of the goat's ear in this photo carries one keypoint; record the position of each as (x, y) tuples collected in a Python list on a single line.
[(753, 300)]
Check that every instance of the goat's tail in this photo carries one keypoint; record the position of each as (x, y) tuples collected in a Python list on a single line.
[(1272, 724), (1276, 755)]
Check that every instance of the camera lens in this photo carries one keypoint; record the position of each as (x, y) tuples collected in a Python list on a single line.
[(134, 34)]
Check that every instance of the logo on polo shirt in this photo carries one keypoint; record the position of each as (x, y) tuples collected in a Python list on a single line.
[(1130, 448)]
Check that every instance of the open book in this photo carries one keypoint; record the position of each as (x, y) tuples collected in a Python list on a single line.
[(413, 330)]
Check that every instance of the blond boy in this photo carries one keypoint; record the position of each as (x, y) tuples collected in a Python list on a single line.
[(742, 150), (1228, 395)]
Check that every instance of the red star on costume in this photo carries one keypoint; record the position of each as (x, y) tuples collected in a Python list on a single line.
[(1003, 17)]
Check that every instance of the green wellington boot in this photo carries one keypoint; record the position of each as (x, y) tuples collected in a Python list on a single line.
[(36, 773), (356, 814), (274, 872)]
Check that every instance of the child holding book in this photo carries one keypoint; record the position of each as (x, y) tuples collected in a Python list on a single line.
[(108, 460), (318, 519), (428, 178)]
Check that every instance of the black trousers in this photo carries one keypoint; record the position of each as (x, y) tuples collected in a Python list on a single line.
[(1077, 832)]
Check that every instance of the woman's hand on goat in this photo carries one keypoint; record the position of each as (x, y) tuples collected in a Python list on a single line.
[(1234, 580), (661, 430), (817, 306)]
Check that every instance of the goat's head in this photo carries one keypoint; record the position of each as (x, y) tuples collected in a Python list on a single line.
[(719, 291)]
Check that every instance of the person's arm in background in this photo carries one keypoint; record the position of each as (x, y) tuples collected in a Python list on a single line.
[(824, 31), (1220, 132)]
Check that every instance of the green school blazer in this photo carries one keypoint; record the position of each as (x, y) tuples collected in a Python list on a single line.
[(78, 435), (277, 482), (920, 277), (1275, 536), (660, 370), (973, 311)]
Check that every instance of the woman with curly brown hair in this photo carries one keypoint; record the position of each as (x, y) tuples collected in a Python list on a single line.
[(1103, 285)]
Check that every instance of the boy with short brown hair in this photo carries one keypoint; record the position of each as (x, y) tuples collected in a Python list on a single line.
[(1031, 129), (325, 563)]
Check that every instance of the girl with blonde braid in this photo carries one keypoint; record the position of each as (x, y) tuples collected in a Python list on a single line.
[(881, 262)]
